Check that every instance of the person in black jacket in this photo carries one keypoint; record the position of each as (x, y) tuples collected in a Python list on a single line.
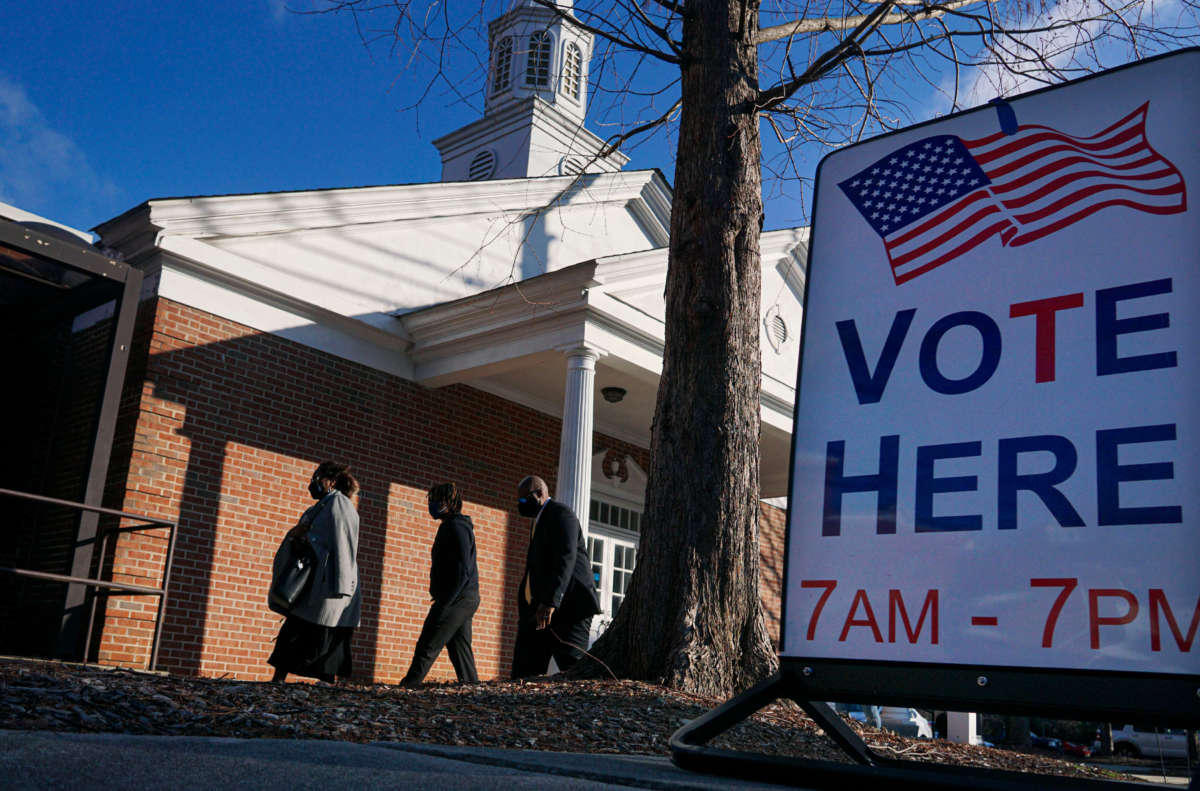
[(557, 598), (454, 587)]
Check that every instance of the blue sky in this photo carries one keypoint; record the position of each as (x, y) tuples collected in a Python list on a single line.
[(104, 105)]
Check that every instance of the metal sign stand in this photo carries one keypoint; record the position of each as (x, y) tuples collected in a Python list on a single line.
[(688, 751)]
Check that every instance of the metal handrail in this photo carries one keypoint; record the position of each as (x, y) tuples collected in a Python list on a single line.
[(148, 523)]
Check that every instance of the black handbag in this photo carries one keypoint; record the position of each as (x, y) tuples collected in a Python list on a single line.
[(293, 574)]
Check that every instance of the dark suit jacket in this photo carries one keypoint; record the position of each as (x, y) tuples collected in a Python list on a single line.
[(557, 565)]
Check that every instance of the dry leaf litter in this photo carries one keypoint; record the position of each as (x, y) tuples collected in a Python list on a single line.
[(622, 717)]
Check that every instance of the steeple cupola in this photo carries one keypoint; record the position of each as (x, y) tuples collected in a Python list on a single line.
[(535, 51), (537, 91)]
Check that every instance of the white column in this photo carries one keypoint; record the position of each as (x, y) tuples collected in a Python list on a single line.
[(575, 447)]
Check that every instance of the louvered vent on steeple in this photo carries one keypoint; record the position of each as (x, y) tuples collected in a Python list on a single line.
[(483, 165)]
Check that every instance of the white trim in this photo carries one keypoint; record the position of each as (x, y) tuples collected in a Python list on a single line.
[(275, 213)]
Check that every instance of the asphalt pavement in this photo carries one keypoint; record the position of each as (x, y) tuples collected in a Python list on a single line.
[(98, 762), (45, 761)]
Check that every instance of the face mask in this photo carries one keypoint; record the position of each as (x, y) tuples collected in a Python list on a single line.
[(435, 510), (527, 506), (316, 491)]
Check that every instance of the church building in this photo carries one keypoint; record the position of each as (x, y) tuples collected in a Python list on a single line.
[(504, 321)]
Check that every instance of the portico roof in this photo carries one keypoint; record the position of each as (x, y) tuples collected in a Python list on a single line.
[(512, 342)]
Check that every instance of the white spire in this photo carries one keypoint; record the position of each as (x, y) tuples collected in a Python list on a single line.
[(537, 91)]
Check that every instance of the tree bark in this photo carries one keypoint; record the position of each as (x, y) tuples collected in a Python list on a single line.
[(692, 617)]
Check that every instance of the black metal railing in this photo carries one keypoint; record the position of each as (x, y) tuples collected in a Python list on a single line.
[(107, 586)]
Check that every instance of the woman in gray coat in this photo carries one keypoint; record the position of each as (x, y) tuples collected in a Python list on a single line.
[(314, 641)]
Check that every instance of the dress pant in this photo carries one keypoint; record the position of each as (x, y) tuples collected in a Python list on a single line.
[(564, 640), (448, 625)]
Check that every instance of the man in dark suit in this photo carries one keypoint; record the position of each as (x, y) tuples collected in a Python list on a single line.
[(557, 598)]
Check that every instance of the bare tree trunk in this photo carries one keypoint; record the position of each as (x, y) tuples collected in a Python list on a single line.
[(692, 618)]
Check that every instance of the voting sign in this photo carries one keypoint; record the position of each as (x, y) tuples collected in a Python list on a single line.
[(996, 455)]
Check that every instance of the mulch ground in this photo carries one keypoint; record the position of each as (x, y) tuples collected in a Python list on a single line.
[(624, 717)]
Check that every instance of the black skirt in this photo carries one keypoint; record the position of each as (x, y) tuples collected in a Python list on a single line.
[(312, 650)]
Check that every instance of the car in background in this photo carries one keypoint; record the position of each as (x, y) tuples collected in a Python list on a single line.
[(898, 719), (1142, 741), (1077, 750), (1045, 742)]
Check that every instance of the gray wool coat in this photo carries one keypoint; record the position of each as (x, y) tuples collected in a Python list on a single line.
[(334, 598)]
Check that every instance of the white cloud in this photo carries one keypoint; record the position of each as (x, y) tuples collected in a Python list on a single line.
[(40, 167), (1065, 53)]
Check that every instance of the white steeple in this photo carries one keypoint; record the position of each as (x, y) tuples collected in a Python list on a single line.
[(536, 90)]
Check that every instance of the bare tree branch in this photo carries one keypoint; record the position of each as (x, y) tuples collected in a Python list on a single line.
[(616, 141), (622, 41), (830, 60), (670, 5), (835, 23)]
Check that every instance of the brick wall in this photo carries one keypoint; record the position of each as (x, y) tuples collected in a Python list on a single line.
[(222, 429), (772, 524)]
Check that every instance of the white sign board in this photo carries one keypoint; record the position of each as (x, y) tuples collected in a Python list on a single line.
[(997, 442)]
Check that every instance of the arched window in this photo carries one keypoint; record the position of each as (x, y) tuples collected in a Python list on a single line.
[(537, 67), (572, 73), (503, 65)]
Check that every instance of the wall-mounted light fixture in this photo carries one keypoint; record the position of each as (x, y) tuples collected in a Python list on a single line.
[(612, 394)]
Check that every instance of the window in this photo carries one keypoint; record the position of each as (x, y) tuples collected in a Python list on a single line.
[(609, 515), (503, 65), (537, 66), (612, 547), (624, 559), (572, 74)]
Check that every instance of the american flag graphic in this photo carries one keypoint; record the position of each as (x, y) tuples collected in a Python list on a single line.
[(939, 197)]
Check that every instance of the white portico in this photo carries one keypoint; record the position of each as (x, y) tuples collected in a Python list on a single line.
[(555, 342)]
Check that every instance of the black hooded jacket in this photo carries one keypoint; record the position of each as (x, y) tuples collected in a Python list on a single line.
[(454, 572)]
